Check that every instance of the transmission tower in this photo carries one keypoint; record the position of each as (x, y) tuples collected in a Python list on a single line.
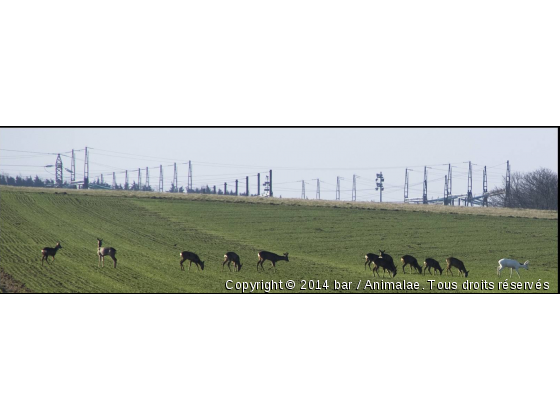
[(338, 188), (318, 193), (469, 188), (247, 186), (507, 202), (270, 181), (266, 185), (126, 179), (354, 193), (73, 168), (160, 186), (86, 170), (485, 188), (139, 180), (450, 190), (58, 171), (380, 180), (175, 186), (425, 191), (302, 189), (147, 179), (446, 192), (259, 184), (114, 186), (189, 180), (406, 184)]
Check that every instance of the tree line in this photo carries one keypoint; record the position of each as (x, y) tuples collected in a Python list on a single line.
[(533, 190)]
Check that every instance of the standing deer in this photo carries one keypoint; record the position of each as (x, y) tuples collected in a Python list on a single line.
[(192, 258), (458, 264), (514, 265), (413, 262), (104, 252), (49, 252), (431, 263), (232, 257), (273, 258), (386, 256)]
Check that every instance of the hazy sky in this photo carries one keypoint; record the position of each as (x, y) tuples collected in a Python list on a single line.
[(221, 155)]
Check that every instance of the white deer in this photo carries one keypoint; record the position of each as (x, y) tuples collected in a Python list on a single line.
[(514, 265)]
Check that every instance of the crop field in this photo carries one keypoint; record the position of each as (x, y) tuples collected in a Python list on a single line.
[(325, 241)]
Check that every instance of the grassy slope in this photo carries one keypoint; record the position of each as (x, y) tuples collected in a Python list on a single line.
[(324, 242)]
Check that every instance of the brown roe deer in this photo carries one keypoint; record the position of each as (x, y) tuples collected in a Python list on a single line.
[(413, 262), (232, 257), (273, 258), (458, 264), (192, 258), (431, 263), (49, 252)]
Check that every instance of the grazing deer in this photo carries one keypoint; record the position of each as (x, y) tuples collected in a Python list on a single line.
[(104, 252), (458, 264), (370, 258), (386, 256), (49, 252), (413, 262), (514, 265), (385, 264), (431, 263), (273, 258), (192, 258), (232, 257)]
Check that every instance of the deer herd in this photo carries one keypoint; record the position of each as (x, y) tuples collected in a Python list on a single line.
[(381, 260)]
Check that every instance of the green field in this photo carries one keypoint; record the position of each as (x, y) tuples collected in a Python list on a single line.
[(325, 240)]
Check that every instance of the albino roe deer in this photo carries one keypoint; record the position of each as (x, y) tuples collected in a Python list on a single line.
[(273, 258), (49, 252), (458, 264), (192, 258), (104, 252), (232, 257), (514, 265)]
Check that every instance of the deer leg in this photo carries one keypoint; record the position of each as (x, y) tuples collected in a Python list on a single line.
[(518, 275), (115, 260), (182, 266)]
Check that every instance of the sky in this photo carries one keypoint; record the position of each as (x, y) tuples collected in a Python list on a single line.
[(221, 155)]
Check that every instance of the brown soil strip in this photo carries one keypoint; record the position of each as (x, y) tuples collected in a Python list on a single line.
[(10, 285)]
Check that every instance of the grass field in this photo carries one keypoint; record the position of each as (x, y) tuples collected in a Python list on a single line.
[(326, 240)]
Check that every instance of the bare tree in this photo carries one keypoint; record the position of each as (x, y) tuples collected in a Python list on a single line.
[(533, 190)]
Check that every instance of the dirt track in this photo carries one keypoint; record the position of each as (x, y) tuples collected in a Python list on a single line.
[(10, 285)]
